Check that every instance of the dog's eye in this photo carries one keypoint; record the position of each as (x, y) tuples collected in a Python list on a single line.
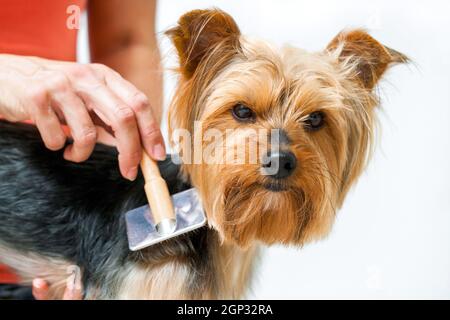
[(243, 113), (315, 120)]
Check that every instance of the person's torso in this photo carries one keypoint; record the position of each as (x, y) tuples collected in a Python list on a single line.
[(43, 28)]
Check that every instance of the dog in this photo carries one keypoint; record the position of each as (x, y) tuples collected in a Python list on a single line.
[(56, 214)]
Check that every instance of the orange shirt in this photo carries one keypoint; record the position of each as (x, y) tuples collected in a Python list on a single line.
[(40, 28), (43, 28)]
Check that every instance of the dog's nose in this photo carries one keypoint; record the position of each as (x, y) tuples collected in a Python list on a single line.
[(279, 165)]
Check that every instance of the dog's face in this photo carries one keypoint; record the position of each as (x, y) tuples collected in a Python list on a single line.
[(320, 106)]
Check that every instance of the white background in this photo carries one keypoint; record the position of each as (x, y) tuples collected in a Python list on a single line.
[(392, 237)]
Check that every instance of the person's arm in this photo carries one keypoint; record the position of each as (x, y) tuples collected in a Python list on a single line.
[(122, 36)]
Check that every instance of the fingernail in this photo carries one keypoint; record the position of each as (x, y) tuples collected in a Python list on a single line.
[(38, 283), (159, 152), (132, 173)]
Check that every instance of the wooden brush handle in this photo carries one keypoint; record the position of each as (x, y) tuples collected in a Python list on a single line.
[(156, 190)]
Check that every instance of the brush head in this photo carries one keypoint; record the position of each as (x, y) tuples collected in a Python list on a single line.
[(142, 231), (166, 226)]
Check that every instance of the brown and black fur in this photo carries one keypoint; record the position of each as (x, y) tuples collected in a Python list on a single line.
[(55, 214)]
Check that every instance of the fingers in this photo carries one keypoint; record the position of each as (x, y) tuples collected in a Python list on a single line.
[(40, 289), (73, 294), (74, 92), (48, 124), (77, 117), (121, 118), (149, 130), (74, 289)]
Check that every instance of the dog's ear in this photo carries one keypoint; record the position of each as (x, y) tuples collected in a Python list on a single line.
[(200, 31), (369, 57)]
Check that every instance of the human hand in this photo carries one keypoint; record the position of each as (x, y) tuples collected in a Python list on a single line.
[(73, 290), (82, 96)]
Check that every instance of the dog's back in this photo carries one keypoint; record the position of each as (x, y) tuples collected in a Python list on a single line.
[(56, 215)]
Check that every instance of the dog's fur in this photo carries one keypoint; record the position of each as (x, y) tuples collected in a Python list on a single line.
[(55, 213)]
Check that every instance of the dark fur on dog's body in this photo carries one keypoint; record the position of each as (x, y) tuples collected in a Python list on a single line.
[(74, 213)]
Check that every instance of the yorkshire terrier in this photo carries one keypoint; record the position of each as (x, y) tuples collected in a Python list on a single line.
[(56, 214)]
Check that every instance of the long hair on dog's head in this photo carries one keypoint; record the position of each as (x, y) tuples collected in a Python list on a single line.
[(322, 104)]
